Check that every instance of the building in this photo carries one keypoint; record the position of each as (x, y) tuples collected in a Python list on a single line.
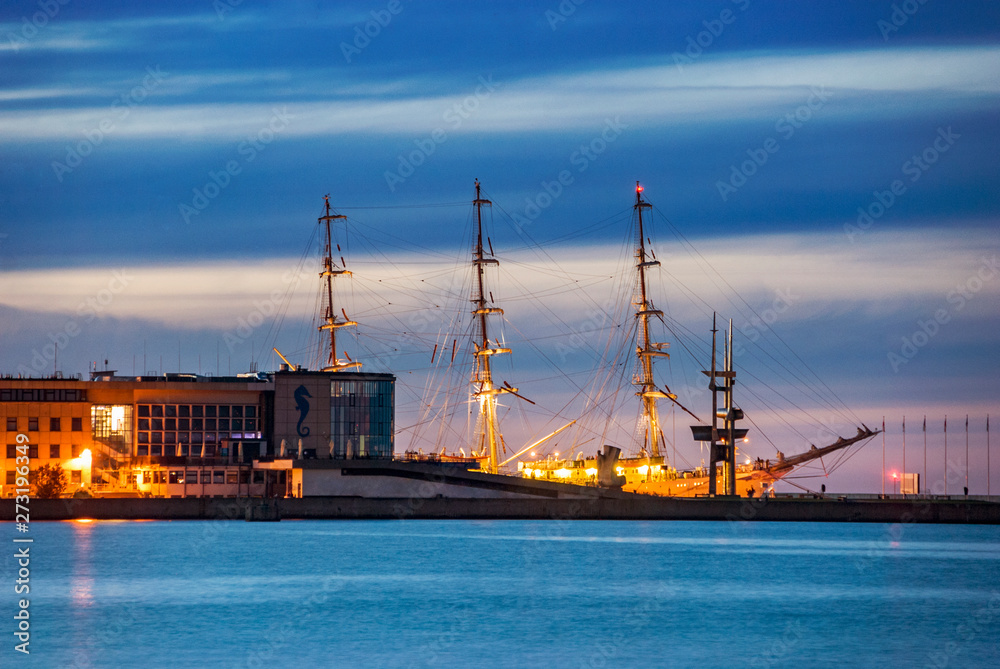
[(190, 435)]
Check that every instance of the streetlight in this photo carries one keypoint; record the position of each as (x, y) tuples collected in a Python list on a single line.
[(895, 480)]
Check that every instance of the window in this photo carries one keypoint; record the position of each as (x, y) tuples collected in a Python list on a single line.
[(75, 451), (76, 424), (10, 476), (218, 476), (12, 424), (232, 477), (32, 425), (176, 476), (11, 451), (76, 476), (142, 451), (55, 425), (54, 451), (206, 476)]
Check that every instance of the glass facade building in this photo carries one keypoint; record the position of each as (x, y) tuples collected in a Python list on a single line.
[(361, 418)]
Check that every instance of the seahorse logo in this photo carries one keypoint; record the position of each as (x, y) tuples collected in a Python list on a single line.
[(302, 404)]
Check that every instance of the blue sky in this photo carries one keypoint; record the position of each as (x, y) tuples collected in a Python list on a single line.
[(189, 144)]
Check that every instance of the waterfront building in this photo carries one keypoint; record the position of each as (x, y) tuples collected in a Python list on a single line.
[(179, 435)]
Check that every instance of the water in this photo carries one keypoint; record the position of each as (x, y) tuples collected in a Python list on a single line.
[(508, 594)]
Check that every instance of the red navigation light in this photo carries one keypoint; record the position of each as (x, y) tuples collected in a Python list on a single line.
[(895, 476), (638, 189)]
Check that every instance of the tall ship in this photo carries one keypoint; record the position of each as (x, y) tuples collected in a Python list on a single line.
[(647, 470)]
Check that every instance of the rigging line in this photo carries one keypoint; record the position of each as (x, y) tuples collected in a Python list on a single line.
[(822, 400), (791, 373), (760, 431), (429, 205), (270, 339), (792, 351)]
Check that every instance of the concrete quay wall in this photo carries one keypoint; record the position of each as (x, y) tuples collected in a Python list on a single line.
[(618, 507)]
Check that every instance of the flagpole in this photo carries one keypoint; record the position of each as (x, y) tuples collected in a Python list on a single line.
[(925, 453), (987, 455), (883, 456), (946, 454), (966, 454), (903, 475)]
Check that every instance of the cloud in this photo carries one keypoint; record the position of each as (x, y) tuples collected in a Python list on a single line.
[(883, 272), (716, 89)]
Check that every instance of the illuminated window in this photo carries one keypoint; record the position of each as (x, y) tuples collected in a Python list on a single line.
[(231, 477), (176, 476), (112, 426)]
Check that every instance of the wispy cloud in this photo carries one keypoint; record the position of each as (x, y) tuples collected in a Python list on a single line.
[(728, 87), (884, 274)]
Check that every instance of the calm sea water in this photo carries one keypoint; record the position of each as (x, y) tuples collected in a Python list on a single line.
[(508, 594)]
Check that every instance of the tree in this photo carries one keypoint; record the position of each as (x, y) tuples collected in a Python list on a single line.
[(50, 481)]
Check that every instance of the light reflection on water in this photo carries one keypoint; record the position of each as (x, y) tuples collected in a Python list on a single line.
[(506, 593)]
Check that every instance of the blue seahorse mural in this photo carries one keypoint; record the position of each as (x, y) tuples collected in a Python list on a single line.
[(302, 404)]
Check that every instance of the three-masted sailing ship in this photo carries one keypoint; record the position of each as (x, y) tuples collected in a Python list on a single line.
[(648, 472)]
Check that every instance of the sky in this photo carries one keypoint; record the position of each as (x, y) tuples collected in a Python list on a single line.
[(823, 173)]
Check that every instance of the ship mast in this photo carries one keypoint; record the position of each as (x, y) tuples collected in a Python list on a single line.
[(646, 349), (488, 435), (329, 273)]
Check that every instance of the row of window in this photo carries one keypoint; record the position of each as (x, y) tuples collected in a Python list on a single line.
[(55, 451), (75, 476), (197, 411), (198, 424), (43, 395), (55, 424), (193, 438), (181, 450)]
